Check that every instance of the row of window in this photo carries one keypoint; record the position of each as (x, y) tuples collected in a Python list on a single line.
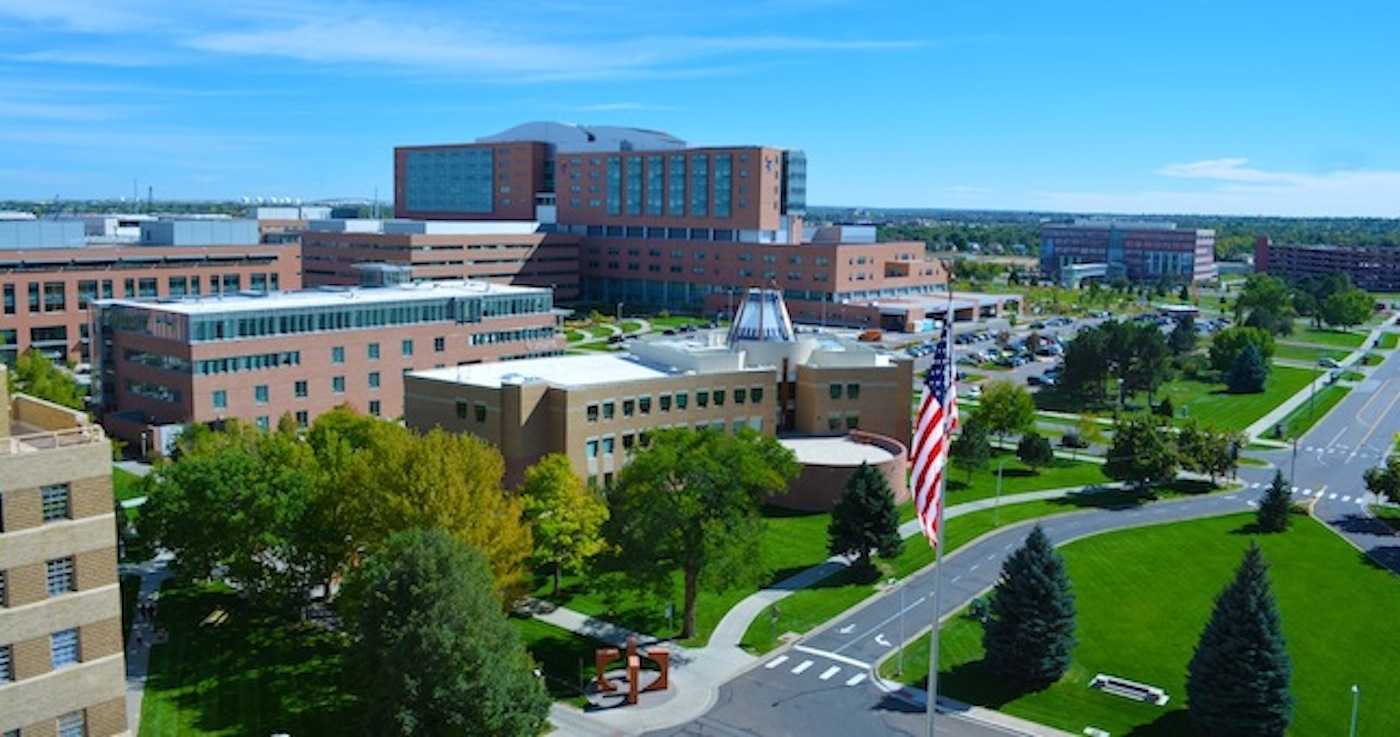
[(301, 389), (63, 652), (606, 445), (303, 417), (58, 577), (52, 296), (642, 405)]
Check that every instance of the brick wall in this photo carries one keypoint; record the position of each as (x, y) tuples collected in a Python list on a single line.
[(91, 496), (22, 509), (31, 658), (99, 639), (107, 718), (95, 568), (26, 584)]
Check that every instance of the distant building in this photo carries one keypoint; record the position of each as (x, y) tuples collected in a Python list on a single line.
[(255, 356), (661, 224), (1373, 268), (51, 270), (840, 403), (62, 670), (1140, 251)]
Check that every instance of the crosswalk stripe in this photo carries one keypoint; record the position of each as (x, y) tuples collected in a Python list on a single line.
[(857, 678), (1307, 492), (829, 672), (1255, 485), (1331, 496), (1295, 490), (1346, 498), (800, 668), (775, 662)]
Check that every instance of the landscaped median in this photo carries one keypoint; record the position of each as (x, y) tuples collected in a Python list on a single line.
[(1143, 597)]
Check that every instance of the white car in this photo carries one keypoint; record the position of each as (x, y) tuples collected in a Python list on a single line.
[(973, 392)]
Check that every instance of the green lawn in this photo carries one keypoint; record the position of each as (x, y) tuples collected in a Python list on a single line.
[(1300, 420), (575, 336), (230, 670), (1143, 596), (1307, 353), (1389, 515), (1017, 477), (1327, 336), (630, 326), (812, 606), (565, 658), (125, 485)]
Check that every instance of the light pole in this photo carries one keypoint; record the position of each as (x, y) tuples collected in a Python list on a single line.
[(996, 511), (1355, 707), (1293, 465), (619, 312)]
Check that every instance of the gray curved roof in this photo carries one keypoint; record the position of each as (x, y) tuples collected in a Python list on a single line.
[(571, 137)]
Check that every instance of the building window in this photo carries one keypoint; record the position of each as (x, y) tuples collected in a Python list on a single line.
[(260, 394), (220, 398), (406, 348), (665, 401), (644, 404), (629, 407), (301, 389), (835, 390), (852, 421), (439, 344), (682, 401), (4, 591), (374, 407), (609, 444), (719, 397), (59, 575), (63, 648), (702, 398), (337, 384), (338, 354), (853, 391), (480, 411), (756, 393), (461, 410), (608, 410), (833, 421), (72, 724), (592, 412), (263, 422), (740, 396), (374, 379), (56, 503), (373, 351), (303, 418), (590, 448), (6, 673)]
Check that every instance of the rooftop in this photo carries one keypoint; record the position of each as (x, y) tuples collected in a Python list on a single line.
[(839, 450), (322, 297), (560, 371)]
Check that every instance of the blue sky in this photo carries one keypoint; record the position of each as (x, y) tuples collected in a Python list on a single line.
[(1229, 107)]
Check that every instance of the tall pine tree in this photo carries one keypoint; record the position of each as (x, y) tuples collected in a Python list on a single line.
[(1275, 506), (1237, 681), (865, 518), (1248, 373), (1029, 633)]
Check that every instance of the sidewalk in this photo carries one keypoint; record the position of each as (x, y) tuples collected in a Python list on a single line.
[(699, 672), (138, 646), (1263, 427)]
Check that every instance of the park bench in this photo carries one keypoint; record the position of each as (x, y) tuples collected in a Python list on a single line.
[(1129, 689)]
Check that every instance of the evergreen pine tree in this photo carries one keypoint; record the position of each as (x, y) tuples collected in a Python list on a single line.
[(971, 449), (1029, 632), (1237, 681), (1248, 374), (1035, 450), (1182, 339), (865, 518), (1275, 507)]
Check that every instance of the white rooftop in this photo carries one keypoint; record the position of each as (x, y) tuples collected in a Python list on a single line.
[(323, 297), (425, 227), (839, 450), (561, 371)]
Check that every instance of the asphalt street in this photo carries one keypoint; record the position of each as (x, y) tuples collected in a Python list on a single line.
[(823, 684)]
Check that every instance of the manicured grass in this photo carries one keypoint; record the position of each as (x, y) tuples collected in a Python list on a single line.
[(1210, 404), (1327, 336), (1017, 477), (1388, 341), (565, 658), (1300, 420), (126, 485), (1389, 515), (812, 606), (575, 336), (793, 542), (228, 669), (1143, 597), (630, 326), (1307, 353), (1353, 376)]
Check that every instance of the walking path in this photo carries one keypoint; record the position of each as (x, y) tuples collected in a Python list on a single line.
[(143, 632), (698, 673)]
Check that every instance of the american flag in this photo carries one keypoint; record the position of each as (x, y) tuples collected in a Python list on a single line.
[(938, 416)]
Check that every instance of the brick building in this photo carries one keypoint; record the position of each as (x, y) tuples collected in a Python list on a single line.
[(1140, 251), (1373, 268), (62, 670)]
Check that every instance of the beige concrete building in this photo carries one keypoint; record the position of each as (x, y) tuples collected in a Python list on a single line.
[(760, 374), (62, 670)]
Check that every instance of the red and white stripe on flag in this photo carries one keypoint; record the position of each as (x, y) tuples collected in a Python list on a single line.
[(938, 416)]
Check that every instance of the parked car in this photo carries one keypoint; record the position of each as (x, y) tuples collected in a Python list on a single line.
[(1329, 363)]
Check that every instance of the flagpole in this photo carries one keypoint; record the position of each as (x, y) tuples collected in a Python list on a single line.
[(951, 384)]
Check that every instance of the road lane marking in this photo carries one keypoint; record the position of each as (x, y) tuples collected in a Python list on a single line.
[(829, 672), (775, 662), (882, 642), (1337, 437), (857, 678), (833, 656), (802, 667), (848, 629), (1375, 425)]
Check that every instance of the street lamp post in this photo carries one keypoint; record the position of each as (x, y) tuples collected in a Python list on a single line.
[(1293, 465), (1355, 707), (619, 312)]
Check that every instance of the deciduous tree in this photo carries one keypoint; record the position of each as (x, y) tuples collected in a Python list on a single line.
[(1029, 633), (34, 374), (1346, 309), (435, 654), (1237, 682), (1385, 480), (1142, 453), (565, 516), (865, 518), (971, 449), (1228, 343), (1005, 408), (689, 499)]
